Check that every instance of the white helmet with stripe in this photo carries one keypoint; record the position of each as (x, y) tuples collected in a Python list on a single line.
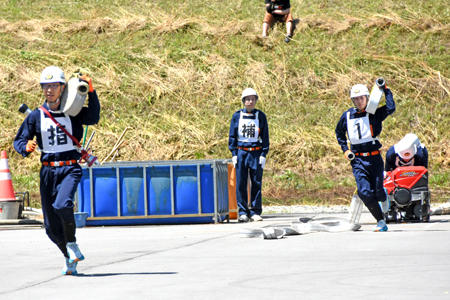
[(52, 74), (359, 90)]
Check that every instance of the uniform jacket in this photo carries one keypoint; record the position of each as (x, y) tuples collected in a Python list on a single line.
[(375, 124), (280, 4), (31, 127), (233, 142), (420, 159)]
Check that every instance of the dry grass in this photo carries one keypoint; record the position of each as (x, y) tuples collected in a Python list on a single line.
[(175, 78)]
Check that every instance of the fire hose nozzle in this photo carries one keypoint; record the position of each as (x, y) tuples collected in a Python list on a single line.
[(350, 155), (380, 82), (88, 158), (91, 159), (24, 109)]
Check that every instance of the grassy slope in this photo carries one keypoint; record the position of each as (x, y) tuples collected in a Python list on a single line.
[(173, 72)]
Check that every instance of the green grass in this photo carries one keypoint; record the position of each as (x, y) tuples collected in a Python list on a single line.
[(27, 182), (173, 72)]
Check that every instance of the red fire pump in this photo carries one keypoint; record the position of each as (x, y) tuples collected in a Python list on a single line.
[(408, 192)]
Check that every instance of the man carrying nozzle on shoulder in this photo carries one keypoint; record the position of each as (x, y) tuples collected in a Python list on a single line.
[(362, 129), (60, 172), (249, 144)]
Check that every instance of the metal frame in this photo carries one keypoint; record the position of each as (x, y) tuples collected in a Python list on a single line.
[(220, 189)]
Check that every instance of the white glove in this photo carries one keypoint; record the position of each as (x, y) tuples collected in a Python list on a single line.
[(262, 161), (234, 160)]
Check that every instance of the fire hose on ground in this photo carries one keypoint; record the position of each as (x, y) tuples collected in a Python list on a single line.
[(300, 227)]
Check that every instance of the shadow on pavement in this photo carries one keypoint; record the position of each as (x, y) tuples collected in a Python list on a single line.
[(119, 274)]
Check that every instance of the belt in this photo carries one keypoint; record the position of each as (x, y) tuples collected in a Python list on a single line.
[(59, 163), (376, 152), (249, 149)]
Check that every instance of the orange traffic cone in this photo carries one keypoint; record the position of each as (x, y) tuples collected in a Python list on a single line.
[(6, 186)]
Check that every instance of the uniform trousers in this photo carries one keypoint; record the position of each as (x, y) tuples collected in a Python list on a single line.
[(248, 165), (58, 186), (368, 172)]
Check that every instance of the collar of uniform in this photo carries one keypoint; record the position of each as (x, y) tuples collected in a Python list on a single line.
[(355, 111), (253, 112), (47, 107)]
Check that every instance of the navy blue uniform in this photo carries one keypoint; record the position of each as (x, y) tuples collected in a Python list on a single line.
[(393, 160), (57, 184), (248, 146), (368, 170)]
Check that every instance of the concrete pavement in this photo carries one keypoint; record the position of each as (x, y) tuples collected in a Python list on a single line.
[(410, 261)]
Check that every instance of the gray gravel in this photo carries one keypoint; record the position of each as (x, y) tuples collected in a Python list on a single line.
[(443, 208), (307, 209)]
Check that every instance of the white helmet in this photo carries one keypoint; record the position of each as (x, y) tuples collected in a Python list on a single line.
[(407, 146), (359, 90), (414, 139), (52, 74), (249, 92)]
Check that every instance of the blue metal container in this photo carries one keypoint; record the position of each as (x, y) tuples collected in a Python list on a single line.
[(155, 192)]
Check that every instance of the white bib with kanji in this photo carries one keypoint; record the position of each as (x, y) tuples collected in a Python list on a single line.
[(54, 139), (248, 131), (358, 130)]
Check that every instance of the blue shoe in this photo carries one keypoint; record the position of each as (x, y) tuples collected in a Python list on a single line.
[(381, 226), (74, 252), (69, 268), (386, 204)]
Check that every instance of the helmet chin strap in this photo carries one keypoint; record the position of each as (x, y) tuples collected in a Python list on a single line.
[(55, 102)]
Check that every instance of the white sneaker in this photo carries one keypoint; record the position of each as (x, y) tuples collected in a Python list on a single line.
[(256, 218), (386, 204), (74, 252), (69, 268), (381, 226), (243, 218)]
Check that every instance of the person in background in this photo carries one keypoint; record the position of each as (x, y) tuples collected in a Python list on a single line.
[(278, 10), (409, 151), (60, 172), (249, 145), (362, 130)]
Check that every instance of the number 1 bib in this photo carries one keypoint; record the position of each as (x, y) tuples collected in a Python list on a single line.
[(358, 130)]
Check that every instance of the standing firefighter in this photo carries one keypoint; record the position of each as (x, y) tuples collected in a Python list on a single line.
[(362, 130), (60, 173), (249, 145)]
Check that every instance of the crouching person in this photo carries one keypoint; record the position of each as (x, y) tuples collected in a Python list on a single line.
[(409, 151)]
